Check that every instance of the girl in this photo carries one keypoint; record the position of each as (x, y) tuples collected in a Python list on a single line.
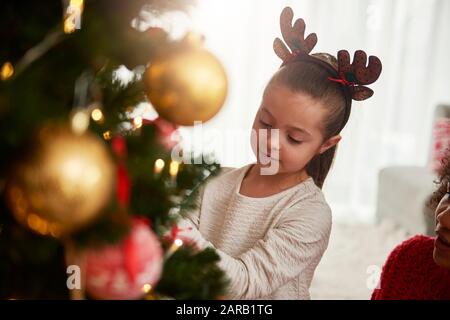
[(269, 220), (419, 268)]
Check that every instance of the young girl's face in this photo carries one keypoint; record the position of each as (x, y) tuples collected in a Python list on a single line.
[(299, 119)]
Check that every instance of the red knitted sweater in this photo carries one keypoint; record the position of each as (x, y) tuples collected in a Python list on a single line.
[(411, 273)]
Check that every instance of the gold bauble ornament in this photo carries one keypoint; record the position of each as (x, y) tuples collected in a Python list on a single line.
[(185, 85), (63, 183)]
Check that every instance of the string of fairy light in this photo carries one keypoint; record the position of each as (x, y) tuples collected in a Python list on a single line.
[(71, 22), (80, 122)]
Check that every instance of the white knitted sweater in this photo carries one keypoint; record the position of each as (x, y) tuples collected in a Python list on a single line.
[(269, 247)]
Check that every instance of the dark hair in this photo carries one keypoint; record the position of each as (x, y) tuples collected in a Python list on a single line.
[(443, 179), (311, 77)]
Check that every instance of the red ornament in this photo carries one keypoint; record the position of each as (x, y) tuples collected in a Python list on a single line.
[(119, 146), (122, 271), (123, 180), (123, 186)]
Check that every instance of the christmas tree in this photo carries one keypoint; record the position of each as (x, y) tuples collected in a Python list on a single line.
[(90, 189)]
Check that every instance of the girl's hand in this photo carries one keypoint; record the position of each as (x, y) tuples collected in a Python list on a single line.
[(188, 233)]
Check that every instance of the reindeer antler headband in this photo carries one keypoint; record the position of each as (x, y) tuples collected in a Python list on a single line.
[(354, 76)]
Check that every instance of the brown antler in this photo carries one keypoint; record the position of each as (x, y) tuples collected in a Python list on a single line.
[(354, 75), (294, 36), (357, 71)]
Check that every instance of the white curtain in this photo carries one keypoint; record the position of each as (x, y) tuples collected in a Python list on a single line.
[(412, 39)]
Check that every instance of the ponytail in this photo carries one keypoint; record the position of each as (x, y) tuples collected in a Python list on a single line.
[(320, 165)]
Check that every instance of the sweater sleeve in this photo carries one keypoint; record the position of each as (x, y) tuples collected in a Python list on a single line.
[(194, 215), (297, 241), (401, 275)]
